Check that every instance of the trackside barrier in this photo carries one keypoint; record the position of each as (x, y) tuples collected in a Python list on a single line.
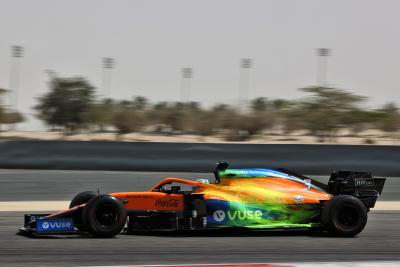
[(196, 157)]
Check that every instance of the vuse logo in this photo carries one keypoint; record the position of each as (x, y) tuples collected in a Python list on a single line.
[(219, 215), (45, 225)]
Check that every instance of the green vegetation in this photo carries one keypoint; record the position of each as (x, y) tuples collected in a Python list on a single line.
[(68, 104), (72, 106), (8, 116)]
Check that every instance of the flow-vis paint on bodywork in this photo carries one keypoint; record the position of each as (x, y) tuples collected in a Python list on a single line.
[(257, 198), (262, 198)]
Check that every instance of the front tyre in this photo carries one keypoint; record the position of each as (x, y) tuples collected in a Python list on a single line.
[(344, 215), (104, 216), (80, 199)]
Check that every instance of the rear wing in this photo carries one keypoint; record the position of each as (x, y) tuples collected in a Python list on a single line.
[(359, 184)]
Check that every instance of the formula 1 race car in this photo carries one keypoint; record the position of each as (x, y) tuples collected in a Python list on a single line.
[(238, 198)]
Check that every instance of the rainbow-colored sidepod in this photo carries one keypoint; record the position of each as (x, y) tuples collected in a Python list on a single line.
[(262, 198)]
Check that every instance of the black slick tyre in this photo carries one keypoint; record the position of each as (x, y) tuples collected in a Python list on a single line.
[(104, 216), (344, 215), (80, 199)]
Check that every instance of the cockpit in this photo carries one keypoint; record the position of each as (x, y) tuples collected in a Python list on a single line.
[(179, 187)]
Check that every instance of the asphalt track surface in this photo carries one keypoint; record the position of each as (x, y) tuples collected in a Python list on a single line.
[(379, 241)]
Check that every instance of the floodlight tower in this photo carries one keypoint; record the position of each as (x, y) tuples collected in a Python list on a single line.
[(108, 65), (322, 54), (187, 75), (17, 53), (244, 81)]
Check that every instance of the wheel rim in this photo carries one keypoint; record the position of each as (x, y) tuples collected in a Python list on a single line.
[(106, 216), (348, 216)]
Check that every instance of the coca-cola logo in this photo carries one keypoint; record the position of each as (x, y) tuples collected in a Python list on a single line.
[(167, 203)]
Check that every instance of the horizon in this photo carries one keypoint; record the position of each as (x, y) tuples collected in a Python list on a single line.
[(151, 41)]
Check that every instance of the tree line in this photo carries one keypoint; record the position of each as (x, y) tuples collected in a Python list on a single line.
[(8, 116), (71, 106)]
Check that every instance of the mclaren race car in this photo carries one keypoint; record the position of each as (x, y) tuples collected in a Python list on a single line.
[(238, 198)]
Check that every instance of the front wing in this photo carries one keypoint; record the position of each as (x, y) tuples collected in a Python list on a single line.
[(45, 224)]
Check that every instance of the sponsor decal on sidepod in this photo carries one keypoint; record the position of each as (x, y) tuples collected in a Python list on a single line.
[(298, 198), (167, 203), (219, 215), (225, 213)]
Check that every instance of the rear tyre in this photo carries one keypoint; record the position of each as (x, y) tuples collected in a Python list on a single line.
[(104, 216), (344, 215), (80, 199)]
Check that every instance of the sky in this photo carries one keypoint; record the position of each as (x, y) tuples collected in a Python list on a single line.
[(152, 40)]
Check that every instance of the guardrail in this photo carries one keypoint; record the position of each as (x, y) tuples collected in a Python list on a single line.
[(196, 157)]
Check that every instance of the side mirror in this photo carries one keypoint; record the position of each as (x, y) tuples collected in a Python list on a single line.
[(307, 182)]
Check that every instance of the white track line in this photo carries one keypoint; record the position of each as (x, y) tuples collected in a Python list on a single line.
[(61, 205), (288, 264), (33, 205), (387, 205), (349, 264)]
